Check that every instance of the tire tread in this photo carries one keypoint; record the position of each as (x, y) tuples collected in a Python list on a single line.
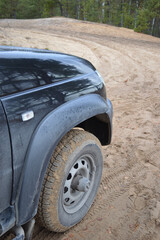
[(67, 144)]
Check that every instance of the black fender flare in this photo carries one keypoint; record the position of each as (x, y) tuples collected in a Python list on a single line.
[(44, 140)]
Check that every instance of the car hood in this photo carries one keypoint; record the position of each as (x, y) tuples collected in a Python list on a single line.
[(36, 58)]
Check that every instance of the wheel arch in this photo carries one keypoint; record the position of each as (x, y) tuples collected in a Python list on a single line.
[(82, 112), (99, 126)]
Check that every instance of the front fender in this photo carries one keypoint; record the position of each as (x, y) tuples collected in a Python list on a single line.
[(45, 139)]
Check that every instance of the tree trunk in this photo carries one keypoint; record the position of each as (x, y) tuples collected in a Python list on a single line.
[(103, 6), (76, 9), (122, 14), (61, 7), (130, 3), (152, 28), (77, 6), (81, 11), (110, 12), (137, 5), (67, 8)]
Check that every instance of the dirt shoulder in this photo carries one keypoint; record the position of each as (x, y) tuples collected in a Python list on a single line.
[(127, 206)]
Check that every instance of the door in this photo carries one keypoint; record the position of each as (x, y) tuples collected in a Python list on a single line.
[(5, 163)]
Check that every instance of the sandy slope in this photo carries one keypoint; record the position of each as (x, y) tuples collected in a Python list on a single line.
[(127, 206)]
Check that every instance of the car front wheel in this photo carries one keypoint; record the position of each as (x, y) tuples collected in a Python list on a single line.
[(71, 181)]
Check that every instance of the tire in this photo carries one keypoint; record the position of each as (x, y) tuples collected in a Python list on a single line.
[(71, 181)]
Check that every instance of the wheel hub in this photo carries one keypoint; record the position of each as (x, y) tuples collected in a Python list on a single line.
[(80, 183)]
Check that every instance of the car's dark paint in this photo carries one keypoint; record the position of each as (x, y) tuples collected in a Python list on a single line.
[(31, 69), (7, 219), (5, 163), (41, 101), (73, 95), (49, 132)]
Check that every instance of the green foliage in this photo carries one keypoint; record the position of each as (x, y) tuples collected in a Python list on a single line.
[(154, 7), (88, 10), (128, 21), (142, 21), (140, 15), (29, 9), (8, 8)]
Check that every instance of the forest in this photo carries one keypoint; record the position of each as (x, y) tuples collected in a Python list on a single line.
[(140, 15)]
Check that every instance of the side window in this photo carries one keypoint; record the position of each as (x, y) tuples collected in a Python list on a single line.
[(14, 80)]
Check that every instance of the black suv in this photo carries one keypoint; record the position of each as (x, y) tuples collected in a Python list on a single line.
[(54, 117)]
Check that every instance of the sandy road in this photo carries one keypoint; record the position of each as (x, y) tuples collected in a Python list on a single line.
[(127, 206)]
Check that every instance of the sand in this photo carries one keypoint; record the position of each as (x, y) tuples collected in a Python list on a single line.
[(127, 206)]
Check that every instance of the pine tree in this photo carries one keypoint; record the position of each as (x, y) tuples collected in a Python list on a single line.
[(8, 8)]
